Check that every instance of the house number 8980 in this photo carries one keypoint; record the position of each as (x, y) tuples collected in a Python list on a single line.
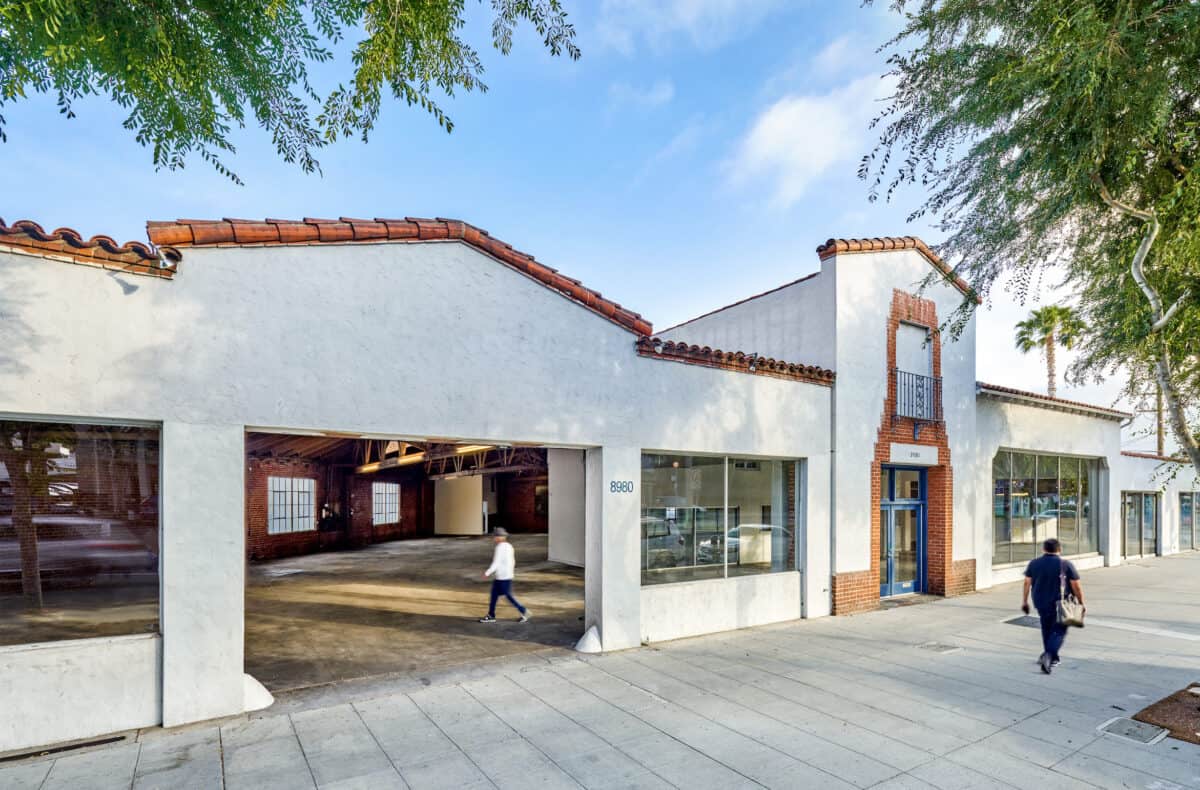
[(620, 486)]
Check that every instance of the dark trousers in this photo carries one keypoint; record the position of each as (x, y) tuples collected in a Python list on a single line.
[(1053, 634), (503, 587)]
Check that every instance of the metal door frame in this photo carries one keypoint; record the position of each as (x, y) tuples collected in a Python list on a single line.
[(887, 526)]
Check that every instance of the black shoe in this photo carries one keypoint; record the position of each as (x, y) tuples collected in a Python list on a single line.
[(488, 619), (1054, 662), (1045, 664)]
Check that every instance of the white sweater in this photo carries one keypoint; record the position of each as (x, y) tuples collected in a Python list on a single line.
[(503, 562)]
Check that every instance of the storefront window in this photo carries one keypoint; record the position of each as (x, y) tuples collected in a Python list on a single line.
[(78, 531), (1035, 497), (1187, 521), (707, 517)]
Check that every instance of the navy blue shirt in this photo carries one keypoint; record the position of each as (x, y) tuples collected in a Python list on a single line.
[(1045, 572)]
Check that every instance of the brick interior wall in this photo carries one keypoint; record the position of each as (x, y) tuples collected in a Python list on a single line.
[(516, 504), (859, 591), (413, 502), (259, 544)]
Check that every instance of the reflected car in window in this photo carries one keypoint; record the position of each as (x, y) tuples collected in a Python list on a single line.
[(77, 549), (748, 543), (663, 545)]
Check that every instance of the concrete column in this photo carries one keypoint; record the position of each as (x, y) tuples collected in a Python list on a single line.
[(815, 539), (612, 576), (203, 571)]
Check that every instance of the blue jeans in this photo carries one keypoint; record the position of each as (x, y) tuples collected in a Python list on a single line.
[(1053, 634), (503, 587)]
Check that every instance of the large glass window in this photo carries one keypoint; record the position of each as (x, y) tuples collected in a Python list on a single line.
[(1187, 521), (1035, 497), (78, 531), (707, 517), (385, 501), (1139, 523), (291, 505)]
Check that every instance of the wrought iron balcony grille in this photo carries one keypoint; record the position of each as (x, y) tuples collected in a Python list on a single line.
[(918, 397)]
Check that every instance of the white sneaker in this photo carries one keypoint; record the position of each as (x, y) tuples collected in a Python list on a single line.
[(525, 617)]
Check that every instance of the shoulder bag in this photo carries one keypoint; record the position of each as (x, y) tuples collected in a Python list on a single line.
[(1070, 611)]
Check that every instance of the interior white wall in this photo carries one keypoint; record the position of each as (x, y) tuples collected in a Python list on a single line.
[(60, 691), (567, 507), (458, 506)]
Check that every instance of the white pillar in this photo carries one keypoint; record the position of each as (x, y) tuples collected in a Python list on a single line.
[(612, 576), (203, 571)]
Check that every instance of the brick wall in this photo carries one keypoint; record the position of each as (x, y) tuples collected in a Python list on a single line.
[(412, 503), (856, 592), (259, 544), (516, 505)]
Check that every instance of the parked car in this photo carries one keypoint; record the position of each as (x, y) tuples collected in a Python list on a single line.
[(77, 548), (756, 539), (663, 545)]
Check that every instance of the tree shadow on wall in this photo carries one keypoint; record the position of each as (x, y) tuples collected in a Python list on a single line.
[(18, 341)]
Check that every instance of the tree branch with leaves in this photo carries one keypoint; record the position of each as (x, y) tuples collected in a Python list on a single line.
[(1062, 139), (189, 73)]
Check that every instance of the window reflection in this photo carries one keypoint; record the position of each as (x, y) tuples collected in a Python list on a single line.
[(1035, 497), (696, 526), (78, 531)]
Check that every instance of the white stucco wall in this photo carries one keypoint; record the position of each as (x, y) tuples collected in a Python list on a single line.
[(670, 611), (458, 506), (793, 323), (388, 340), (1168, 480), (567, 506), (91, 685)]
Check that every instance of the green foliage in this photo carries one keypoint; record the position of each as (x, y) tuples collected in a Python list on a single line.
[(1050, 323), (1014, 116), (189, 72)]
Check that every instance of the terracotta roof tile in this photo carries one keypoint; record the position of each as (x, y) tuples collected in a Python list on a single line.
[(134, 257), (885, 243), (738, 361), (996, 389), (195, 232)]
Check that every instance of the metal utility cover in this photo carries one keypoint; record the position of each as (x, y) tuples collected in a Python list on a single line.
[(1025, 620), (940, 647), (1131, 730)]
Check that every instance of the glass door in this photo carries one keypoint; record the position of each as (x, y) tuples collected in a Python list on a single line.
[(1187, 521), (1140, 524), (899, 550)]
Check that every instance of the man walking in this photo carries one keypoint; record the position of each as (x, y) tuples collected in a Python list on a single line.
[(503, 565), (1045, 577)]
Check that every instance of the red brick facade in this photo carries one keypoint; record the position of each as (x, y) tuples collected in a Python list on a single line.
[(859, 591)]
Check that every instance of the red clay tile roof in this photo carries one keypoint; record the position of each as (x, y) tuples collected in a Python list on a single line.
[(195, 232), (844, 246), (135, 257), (995, 389), (1155, 457), (732, 360)]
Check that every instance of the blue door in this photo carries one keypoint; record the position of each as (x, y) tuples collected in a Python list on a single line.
[(902, 531)]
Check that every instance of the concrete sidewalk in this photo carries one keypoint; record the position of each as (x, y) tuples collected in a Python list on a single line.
[(862, 701)]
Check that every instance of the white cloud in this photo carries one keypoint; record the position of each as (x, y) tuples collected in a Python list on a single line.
[(683, 142), (707, 24), (838, 55), (622, 94), (801, 137)]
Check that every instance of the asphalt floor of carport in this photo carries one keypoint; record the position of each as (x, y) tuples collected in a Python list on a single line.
[(407, 606)]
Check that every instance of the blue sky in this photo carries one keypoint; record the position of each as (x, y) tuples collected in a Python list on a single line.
[(696, 154)]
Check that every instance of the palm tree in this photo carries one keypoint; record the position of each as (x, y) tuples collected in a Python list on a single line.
[(1046, 328)]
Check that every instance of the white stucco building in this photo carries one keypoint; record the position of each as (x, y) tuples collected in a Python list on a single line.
[(838, 450)]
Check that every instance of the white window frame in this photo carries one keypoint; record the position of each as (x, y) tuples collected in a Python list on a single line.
[(291, 505), (385, 503)]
